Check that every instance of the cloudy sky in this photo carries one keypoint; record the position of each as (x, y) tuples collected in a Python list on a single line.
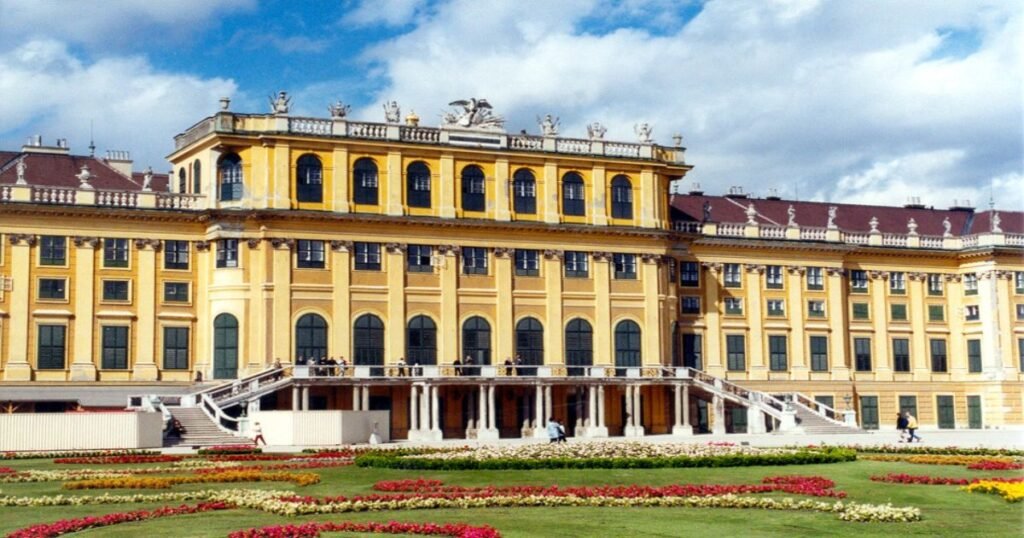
[(861, 101)]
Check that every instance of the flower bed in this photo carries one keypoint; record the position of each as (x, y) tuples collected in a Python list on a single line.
[(1012, 492), (935, 450), (898, 478), (119, 460), (163, 482), (7, 470), (935, 459), (608, 455), (310, 464), (312, 530), (995, 465), (65, 526), (228, 449), (74, 454)]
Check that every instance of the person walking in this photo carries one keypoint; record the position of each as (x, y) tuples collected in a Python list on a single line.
[(401, 367), (554, 430), (257, 432), (901, 426), (912, 428)]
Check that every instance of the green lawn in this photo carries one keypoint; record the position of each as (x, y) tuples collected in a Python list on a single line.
[(946, 510)]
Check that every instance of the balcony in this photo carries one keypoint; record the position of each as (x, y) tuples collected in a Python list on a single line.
[(35, 194)]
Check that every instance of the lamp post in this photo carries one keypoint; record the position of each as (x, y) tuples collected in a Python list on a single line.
[(848, 398)]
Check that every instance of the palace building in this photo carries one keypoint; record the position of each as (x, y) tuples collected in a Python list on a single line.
[(559, 272)]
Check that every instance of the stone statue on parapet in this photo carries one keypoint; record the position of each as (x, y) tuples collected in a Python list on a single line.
[(832, 210), (392, 112), (20, 168), (707, 211), (596, 131), (643, 132), (791, 214), (548, 125), (475, 113), (338, 110), (280, 104), (147, 179), (947, 228)]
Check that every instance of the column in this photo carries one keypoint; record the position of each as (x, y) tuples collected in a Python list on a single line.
[(414, 411), (395, 334), (503, 320), (282, 263), (677, 407), (714, 359), (83, 368), (839, 335), (687, 428), (755, 420), (295, 398), (203, 339), (435, 414), (424, 406), (357, 400), (600, 408), (553, 332), (18, 367), (447, 337), (492, 423), (366, 399), (718, 426), (481, 415), (591, 407), (145, 296), (548, 412), (754, 307), (305, 398), (341, 308), (917, 299), (393, 190), (879, 321), (260, 287), (799, 369), (627, 428), (638, 411), (602, 309), (539, 420)]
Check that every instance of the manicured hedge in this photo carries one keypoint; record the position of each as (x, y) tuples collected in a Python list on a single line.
[(391, 460), (75, 454), (937, 450)]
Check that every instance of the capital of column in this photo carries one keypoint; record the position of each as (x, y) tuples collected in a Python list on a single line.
[(27, 239), (85, 242), (342, 246)]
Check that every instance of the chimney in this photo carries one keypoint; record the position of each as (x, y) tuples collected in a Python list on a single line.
[(773, 194), (120, 160), (34, 144), (961, 205), (736, 191), (695, 189), (913, 202)]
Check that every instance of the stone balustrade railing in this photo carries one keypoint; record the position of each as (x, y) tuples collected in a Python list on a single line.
[(36, 194), (835, 235)]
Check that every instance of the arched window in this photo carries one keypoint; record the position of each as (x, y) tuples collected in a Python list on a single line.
[(627, 345), (476, 340), (529, 344), (229, 176), (572, 195), (579, 346), (524, 195), (309, 179), (364, 177), (197, 177), (622, 198), (421, 341), (225, 347), (182, 181), (368, 343), (417, 184), (473, 190), (311, 337)]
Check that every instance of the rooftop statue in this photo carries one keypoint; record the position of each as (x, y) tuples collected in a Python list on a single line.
[(338, 110), (947, 228), (596, 131), (995, 223), (751, 212), (21, 167), (147, 179), (392, 112), (84, 175), (548, 125), (475, 113), (280, 104), (643, 132), (912, 226), (832, 210), (791, 213)]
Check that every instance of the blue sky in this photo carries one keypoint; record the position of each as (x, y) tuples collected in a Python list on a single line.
[(844, 101)]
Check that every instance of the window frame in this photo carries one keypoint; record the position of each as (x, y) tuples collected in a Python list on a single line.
[(689, 274), (127, 290), (730, 308), (524, 192), (418, 185), (172, 354), (862, 354), (900, 354), (774, 278), (63, 288), (419, 259), (818, 357), (473, 181), (858, 281), (115, 355), (227, 255), (689, 309), (815, 278), (736, 359), (622, 197), (732, 275), (898, 312), (474, 261), (177, 284), (45, 332), (778, 353), (778, 311), (174, 250), (576, 264), (897, 283), (230, 178), (574, 195), (365, 182), (938, 353), (527, 262), (860, 311), (815, 313), (115, 248), (50, 243), (310, 254), (309, 179), (974, 362), (364, 254), (624, 266)]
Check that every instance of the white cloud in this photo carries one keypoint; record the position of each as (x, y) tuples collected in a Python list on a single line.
[(785, 93), (132, 105), (387, 12)]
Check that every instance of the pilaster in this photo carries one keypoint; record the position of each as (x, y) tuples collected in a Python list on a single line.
[(447, 184), (599, 199), (341, 307), (798, 369), (503, 281), (714, 359), (547, 194), (18, 367), (448, 337), (879, 320), (393, 189), (839, 336), (553, 288), (340, 180), (145, 327), (281, 254), (395, 333), (755, 321), (602, 309), (648, 199), (502, 184), (282, 177), (204, 328), (651, 334), (83, 367)]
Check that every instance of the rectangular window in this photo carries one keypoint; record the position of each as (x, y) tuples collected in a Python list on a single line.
[(908, 403), (175, 348), (525, 196), (898, 312), (689, 274), (733, 275), (776, 307), (901, 354), (367, 256), (773, 277), (310, 254), (862, 354), (115, 253), (227, 253), (897, 283), (736, 357), (1020, 312), (692, 351), (115, 290), (936, 313), (974, 356), (573, 201), (971, 284), (938, 349), (1020, 353), (827, 401), (50, 347), (417, 259), (474, 261), (972, 312), (176, 292), (689, 304), (858, 281), (815, 309), (527, 262), (734, 306), (777, 358), (934, 284), (819, 353), (115, 348), (577, 264), (815, 278), (946, 411), (625, 266), (1018, 281), (176, 254), (869, 412), (861, 311), (52, 288), (53, 250)]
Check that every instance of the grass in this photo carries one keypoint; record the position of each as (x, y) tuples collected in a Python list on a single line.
[(946, 510)]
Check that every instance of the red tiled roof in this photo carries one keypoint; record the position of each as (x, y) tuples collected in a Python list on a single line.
[(57, 170), (849, 217)]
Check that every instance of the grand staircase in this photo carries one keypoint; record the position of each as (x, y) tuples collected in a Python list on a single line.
[(200, 430)]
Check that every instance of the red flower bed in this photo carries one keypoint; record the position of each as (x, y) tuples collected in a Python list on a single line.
[(7, 470), (117, 460), (312, 530), (65, 526), (252, 457), (278, 466), (995, 465), (898, 478), (229, 449)]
